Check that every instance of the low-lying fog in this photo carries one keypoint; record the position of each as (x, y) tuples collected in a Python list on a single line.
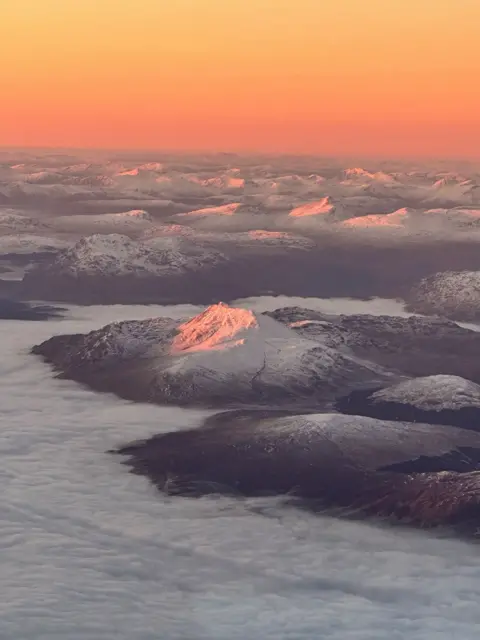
[(91, 552)]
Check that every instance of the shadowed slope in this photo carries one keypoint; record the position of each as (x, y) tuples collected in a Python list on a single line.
[(419, 474)]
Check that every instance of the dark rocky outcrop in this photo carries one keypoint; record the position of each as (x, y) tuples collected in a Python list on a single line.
[(349, 466)]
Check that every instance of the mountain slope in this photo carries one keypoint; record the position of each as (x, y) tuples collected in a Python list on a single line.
[(413, 346)]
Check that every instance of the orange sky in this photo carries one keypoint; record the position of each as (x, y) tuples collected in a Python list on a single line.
[(386, 77)]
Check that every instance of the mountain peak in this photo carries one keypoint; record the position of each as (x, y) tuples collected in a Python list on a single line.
[(221, 210), (218, 327), (318, 207)]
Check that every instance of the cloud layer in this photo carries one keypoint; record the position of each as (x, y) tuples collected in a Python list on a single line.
[(89, 551)]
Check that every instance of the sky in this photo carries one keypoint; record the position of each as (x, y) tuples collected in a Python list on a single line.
[(336, 77)]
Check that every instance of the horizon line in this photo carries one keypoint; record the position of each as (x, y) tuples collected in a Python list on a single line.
[(242, 153)]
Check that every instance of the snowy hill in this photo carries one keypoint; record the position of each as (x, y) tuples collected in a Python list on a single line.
[(231, 217), (220, 210), (414, 346), (224, 182), (34, 193), (255, 239), (451, 294), (277, 239), (397, 219), (117, 255), (364, 176), (13, 222), (461, 192), (420, 474), (438, 399), (448, 220), (440, 222), (433, 393), (135, 220), (222, 357)]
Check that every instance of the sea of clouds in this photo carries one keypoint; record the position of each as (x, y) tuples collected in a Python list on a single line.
[(90, 551)]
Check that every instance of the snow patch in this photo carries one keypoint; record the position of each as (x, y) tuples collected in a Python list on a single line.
[(221, 210), (358, 173), (319, 207)]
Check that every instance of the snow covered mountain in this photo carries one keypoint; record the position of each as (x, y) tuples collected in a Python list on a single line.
[(225, 217), (283, 225), (323, 207), (223, 357), (450, 294), (362, 175), (27, 193), (458, 217), (118, 255), (11, 221), (396, 219), (220, 210), (350, 466), (135, 220), (112, 268), (201, 182), (438, 399), (256, 239), (274, 238), (415, 223), (433, 393), (459, 192)]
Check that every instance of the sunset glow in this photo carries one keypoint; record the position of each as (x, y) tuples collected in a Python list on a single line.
[(388, 77)]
